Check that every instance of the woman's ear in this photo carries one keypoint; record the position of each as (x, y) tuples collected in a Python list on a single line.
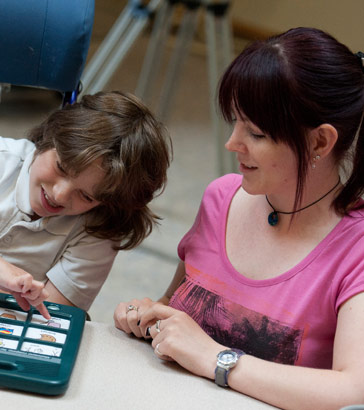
[(323, 139)]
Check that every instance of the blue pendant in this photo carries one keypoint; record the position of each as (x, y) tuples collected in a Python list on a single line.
[(273, 218)]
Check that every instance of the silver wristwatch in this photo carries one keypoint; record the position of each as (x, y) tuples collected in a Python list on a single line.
[(226, 360)]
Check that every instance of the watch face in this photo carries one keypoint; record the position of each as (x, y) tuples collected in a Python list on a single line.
[(228, 357)]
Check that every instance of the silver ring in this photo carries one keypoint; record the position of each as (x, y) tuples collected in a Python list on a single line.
[(130, 308), (157, 350), (157, 324)]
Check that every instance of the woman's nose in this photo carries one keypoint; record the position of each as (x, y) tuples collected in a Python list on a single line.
[(229, 145), (235, 143)]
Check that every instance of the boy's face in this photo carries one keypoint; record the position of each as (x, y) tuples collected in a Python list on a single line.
[(53, 192)]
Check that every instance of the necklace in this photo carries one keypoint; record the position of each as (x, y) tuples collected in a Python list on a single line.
[(273, 216)]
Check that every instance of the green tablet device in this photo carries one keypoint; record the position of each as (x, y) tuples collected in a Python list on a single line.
[(37, 354)]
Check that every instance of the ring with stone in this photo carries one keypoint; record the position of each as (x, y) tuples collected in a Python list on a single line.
[(157, 326), (130, 308)]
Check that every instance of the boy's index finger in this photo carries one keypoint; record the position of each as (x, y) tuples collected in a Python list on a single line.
[(43, 311)]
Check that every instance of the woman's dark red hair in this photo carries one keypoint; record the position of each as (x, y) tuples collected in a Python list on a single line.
[(294, 82)]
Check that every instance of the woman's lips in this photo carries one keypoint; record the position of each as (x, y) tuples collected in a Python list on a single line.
[(246, 168), (48, 204)]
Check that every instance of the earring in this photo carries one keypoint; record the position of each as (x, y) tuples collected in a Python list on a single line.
[(316, 158)]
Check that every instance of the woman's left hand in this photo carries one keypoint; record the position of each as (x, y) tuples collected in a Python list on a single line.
[(176, 336)]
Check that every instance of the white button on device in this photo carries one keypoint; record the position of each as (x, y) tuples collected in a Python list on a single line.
[(53, 307)]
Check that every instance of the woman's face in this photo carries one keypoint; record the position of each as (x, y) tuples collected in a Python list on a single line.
[(268, 167), (54, 192)]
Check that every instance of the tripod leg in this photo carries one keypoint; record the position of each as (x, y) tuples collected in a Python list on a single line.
[(4, 88), (113, 63), (225, 34), (153, 55), (184, 38), (93, 67), (114, 39), (218, 28)]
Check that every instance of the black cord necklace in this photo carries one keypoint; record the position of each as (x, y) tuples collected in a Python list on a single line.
[(273, 216)]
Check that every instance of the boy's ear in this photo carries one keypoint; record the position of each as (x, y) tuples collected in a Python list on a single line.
[(323, 139)]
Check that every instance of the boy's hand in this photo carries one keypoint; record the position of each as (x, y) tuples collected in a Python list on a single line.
[(23, 287)]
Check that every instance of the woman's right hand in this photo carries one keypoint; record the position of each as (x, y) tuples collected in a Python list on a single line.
[(127, 315)]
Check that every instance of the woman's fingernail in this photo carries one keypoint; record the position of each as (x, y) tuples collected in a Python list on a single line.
[(138, 323), (147, 333)]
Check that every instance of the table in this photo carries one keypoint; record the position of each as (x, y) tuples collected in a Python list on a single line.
[(117, 371)]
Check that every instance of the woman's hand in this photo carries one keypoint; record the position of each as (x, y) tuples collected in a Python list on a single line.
[(23, 287), (127, 316), (178, 337)]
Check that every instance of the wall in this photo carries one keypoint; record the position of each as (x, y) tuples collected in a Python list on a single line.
[(344, 19)]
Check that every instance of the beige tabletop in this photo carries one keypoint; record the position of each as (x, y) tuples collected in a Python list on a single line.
[(117, 371)]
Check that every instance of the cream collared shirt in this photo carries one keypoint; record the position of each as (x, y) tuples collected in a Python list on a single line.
[(55, 248)]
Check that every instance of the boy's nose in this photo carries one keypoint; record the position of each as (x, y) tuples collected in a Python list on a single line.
[(62, 192)]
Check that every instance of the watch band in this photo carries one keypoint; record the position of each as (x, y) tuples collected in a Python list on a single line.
[(238, 351), (221, 376), (222, 372)]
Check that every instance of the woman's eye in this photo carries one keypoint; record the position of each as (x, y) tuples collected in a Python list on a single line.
[(258, 136)]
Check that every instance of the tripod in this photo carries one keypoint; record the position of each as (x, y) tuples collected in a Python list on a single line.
[(130, 24), (219, 56), (116, 44)]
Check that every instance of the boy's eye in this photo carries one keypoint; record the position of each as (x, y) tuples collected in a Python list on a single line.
[(59, 166), (86, 197)]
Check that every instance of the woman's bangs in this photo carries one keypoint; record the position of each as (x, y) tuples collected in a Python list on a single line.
[(255, 88)]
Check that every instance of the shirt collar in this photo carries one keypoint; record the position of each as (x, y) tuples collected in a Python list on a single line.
[(22, 186)]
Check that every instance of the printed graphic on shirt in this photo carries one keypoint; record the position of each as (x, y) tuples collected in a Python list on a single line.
[(236, 326)]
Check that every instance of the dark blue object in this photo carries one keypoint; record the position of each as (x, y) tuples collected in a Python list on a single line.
[(44, 43), (273, 218)]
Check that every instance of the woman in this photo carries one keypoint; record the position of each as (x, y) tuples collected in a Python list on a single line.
[(273, 267)]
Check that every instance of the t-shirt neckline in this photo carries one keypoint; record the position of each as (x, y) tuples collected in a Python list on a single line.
[(309, 258)]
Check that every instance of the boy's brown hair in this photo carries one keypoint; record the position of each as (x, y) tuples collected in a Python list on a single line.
[(136, 152)]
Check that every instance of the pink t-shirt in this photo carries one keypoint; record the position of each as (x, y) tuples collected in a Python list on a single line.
[(287, 319)]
